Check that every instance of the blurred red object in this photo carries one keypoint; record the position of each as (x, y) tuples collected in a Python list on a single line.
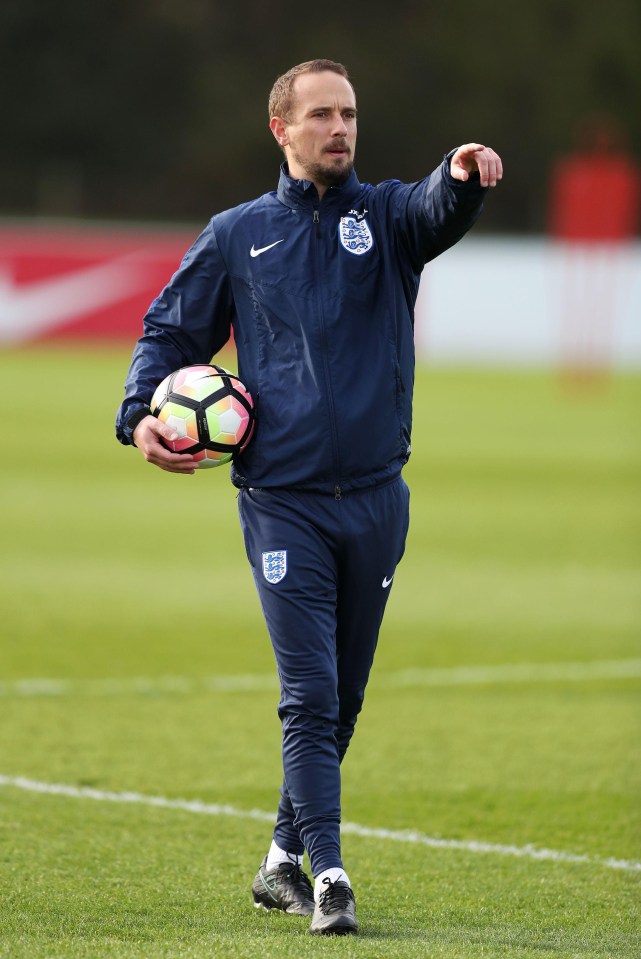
[(595, 193), (81, 282)]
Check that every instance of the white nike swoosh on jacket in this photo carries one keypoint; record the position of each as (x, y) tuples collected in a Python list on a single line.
[(264, 249)]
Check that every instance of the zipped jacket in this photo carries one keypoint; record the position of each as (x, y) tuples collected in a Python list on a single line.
[(320, 296)]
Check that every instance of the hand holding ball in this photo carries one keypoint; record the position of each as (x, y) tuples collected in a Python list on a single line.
[(211, 411)]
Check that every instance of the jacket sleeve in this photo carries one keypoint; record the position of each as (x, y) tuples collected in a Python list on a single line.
[(433, 214), (187, 324)]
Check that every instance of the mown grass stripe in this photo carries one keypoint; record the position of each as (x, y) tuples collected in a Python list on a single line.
[(403, 836), (601, 669)]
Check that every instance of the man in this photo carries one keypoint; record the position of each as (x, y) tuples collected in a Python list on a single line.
[(318, 281)]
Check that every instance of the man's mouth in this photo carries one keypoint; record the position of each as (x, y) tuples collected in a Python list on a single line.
[(337, 151)]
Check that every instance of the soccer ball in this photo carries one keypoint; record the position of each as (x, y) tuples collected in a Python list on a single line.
[(210, 409)]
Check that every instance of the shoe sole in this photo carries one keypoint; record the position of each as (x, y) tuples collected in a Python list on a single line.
[(262, 905), (267, 907), (343, 930)]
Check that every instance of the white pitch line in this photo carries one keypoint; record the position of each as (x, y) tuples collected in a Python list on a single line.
[(516, 673), (403, 836), (138, 685), (501, 674)]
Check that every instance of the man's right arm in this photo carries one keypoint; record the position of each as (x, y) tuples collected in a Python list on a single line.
[(187, 324)]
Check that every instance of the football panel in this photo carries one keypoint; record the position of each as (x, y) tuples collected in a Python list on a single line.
[(189, 374), (243, 397), (184, 423), (232, 423), (214, 458), (249, 432), (160, 393)]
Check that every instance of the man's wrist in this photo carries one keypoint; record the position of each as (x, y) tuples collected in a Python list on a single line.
[(447, 162), (473, 179), (135, 418)]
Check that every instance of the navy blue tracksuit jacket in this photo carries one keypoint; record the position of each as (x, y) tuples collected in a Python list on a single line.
[(320, 297)]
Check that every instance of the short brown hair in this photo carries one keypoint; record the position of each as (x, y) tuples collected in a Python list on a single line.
[(282, 96)]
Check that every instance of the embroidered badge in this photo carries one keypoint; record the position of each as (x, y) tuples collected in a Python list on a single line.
[(355, 235), (275, 565)]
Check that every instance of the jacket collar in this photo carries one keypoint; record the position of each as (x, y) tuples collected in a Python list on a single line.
[(302, 194)]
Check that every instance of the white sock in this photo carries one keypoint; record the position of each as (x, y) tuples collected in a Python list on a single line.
[(276, 855), (333, 875)]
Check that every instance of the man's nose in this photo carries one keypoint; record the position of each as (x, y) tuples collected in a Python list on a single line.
[(339, 127)]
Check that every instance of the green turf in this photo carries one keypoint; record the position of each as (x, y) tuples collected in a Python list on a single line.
[(524, 549)]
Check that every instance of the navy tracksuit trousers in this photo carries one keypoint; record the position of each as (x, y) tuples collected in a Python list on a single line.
[(323, 569)]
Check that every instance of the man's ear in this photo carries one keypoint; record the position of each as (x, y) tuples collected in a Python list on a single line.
[(277, 126)]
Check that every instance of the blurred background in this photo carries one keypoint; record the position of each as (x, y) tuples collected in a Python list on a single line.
[(142, 110), (154, 114)]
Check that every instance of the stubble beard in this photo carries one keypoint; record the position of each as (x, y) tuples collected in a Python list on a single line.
[(326, 174)]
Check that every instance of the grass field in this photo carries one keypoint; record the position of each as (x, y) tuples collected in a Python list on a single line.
[(496, 768)]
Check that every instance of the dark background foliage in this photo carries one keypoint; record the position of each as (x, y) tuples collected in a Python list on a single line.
[(157, 109)]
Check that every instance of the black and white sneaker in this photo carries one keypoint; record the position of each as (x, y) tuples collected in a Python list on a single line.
[(335, 911), (286, 887)]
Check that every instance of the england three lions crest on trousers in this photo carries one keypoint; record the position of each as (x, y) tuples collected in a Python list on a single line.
[(355, 235), (275, 565)]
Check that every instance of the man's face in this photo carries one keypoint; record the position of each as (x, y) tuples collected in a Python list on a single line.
[(319, 136)]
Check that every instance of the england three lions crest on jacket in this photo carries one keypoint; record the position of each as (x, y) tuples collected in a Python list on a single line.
[(355, 235)]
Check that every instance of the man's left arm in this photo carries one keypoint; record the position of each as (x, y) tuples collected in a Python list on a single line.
[(433, 214)]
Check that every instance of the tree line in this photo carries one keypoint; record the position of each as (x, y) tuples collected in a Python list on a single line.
[(157, 109)]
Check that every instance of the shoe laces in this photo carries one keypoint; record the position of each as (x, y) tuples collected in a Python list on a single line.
[(292, 872), (336, 897)]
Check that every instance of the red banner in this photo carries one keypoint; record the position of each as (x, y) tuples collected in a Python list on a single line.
[(82, 282)]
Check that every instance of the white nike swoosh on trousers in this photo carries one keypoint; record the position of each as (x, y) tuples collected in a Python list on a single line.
[(263, 249), (387, 581)]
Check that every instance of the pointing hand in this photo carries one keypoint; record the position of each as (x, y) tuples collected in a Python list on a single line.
[(475, 156)]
